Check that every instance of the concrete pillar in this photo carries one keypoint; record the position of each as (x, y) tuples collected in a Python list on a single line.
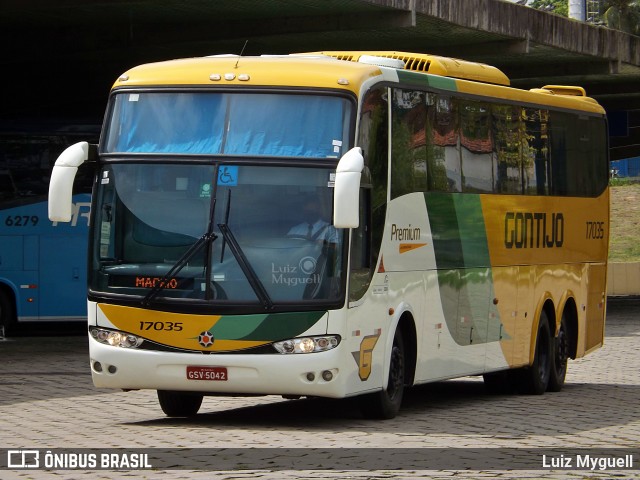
[(577, 9)]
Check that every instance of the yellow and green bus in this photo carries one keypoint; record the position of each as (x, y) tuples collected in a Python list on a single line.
[(339, 224)]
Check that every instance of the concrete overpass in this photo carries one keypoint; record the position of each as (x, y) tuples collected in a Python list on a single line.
[(61, 57)]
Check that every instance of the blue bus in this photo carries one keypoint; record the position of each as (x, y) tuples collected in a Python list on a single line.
[(42, 263)]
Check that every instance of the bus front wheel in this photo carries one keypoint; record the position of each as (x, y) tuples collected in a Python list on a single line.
[(385, 404), (179, 404)]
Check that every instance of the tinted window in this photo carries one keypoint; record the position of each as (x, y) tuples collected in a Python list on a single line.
[(232, 124), (26, 161), (373, 138), (448, 144), (408, 142)]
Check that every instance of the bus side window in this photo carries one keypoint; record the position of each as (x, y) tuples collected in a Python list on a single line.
[(476, 147), (361, 261), (373, 138), (443, 149), (507, 145), (408, 142)]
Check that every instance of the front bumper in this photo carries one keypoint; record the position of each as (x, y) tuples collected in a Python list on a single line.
[(262, 374)]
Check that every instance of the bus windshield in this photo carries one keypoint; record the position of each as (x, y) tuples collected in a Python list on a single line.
[(266, 124), (240, 234)]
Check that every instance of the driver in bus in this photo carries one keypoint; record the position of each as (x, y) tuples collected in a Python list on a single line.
[(315, 227)]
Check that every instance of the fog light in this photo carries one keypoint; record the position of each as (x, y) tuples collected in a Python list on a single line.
[(327, 376), (112, 369), (311, 376), (97, 366)]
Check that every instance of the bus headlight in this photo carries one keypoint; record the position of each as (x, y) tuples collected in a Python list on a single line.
[(307, 344), (116, 338)]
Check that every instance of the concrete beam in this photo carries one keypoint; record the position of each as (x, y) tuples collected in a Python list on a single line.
[(520, 22), (524, 73), (506, 47)]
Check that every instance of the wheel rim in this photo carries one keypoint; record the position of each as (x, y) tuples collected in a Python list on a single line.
[(396, 372)]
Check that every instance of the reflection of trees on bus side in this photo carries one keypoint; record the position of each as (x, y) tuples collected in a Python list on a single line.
[(476, 140), (457, 279), (373, 140), (443, 140), (448, 144), (512, 151)]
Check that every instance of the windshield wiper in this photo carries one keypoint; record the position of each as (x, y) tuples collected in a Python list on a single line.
[(205, 240), (241, 258), (246, 267)]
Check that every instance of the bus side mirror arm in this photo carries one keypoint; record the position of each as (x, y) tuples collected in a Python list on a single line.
[(346, 191), (61, 183)]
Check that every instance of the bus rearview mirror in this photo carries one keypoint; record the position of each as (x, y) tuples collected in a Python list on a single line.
[(346, 192), (61, 183)]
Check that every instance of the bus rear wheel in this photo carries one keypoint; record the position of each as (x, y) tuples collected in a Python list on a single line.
[(559, 358), (385, 404), (535, 379), (179, 404)]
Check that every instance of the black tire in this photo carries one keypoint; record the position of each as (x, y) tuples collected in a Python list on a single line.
[(7, 313), (179, 404), (559, 358), (386, 403), (535, 379)]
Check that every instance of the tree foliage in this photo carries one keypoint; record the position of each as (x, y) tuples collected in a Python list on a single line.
[(561, 7), (621, 15)]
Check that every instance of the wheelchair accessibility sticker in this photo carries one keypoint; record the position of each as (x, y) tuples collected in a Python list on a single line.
[(228, 175)]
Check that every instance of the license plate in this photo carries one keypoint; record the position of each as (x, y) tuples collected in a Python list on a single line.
[(218, 374)]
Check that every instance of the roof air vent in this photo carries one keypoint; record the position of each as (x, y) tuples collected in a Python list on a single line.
[(381, 61)]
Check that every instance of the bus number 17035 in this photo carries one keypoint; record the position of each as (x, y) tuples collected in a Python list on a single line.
[(595, 230), (168, 326)]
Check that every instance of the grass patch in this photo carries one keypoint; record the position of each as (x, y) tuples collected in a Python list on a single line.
[(624, 240), (622, 182)]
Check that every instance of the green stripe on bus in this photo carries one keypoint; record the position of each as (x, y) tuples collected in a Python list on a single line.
[(472, 230), (458, 230), (262, 327), (435, 81), (464, 269), (444, 230)]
